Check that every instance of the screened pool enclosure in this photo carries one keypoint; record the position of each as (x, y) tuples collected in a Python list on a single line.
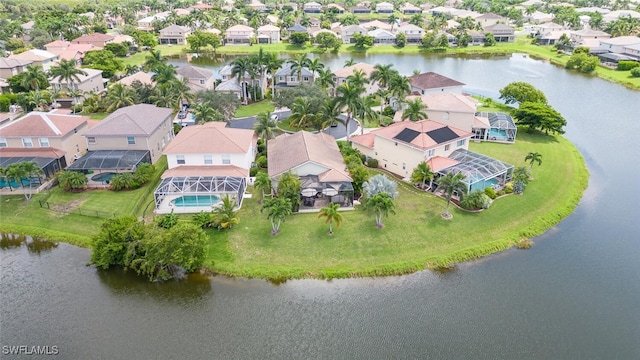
[(192, 194), (501, 128), (479, 171)]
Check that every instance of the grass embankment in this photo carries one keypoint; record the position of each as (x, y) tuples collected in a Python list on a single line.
[(417, 237), (28, 218)]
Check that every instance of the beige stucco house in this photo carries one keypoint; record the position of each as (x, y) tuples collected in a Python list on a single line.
[(239, 35), (400, 147), (37, 57), (347, 33), (341, 75), (93, 81), (12, 67), (434, 83), (268, 34), (174, 34), (95, 39), (199, 78)]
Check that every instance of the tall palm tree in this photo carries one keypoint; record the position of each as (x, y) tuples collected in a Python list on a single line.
[(34, 78), (225, 214), (331, 215), (265, 127), (153, 60), (273, 64), (299, 63), (301, 117), (164, 73), (382, 74), (67, 71), (421, 174), (277, 211), (240, 68), (393, 18), (325, 79), (451, 183), (315, 66), (358, 78), (260, 61), (181, 91), (382, 205), (533, 157), (329, 114), (163, 96), (262, 183), (348, 97), (399, 86), (415, 110), (119, 96), (205, 113), (349, 62)]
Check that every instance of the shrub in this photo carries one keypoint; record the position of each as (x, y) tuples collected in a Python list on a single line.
[(518, 187), (625, 65), (388, 111), (253, 171), (508, 187), (352, 160), (491, 193), (524, 244), (261, 148), (144, 173), (476, 200), (167, 221), (5, 103), (635, 72), (372, 163), (123, 181), (262, 161), (203, 219)]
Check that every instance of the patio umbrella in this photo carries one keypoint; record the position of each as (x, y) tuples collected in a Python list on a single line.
[(309, 192), (330, 192)]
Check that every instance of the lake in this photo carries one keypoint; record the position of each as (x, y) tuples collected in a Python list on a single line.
[(575, 294)]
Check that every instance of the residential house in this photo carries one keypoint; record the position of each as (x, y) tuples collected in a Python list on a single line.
[(376, 24), (144, 128), (268, 34), (501, 32), (143, 77), (317, 161), (382, 37), (95, 39), (70, 51), (52, 136), (174, 34), (239, 35), (434, 83), (413, 33), (349, 31), (409, 8), (285, 77), (384, 8), (360, 10), (297, 28), (632, 50), (93, 81), (620, 14), (312, 7), (490, 19), (617, 44), (38, 58), (580, 36), (400, 147), (538, 17), (146, 23), (199, 78), (333, 7), (205, 162), (550, 37), (546, 27), (233, 85), (12, 67), (258, 6), (26, 31), (448, 108), (340, 76), (201, 7)]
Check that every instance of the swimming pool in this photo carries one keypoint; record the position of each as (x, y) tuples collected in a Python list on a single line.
[(481, 185), (103, 177), (195, 200), (13, 183), (497, 134)]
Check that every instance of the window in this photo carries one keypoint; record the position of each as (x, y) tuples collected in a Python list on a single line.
[(461, 142), (201, 82), (281, 78), (26, 142), (445, 116), (293, 78), (226, 159), (305, 78), (131, 140), (91, 140), (404, 166), (180, 159), (208, 160), (44, 142), (446, 147), (3, 142), (431, 152)]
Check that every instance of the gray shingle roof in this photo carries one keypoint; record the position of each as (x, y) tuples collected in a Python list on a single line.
[(141, 119)]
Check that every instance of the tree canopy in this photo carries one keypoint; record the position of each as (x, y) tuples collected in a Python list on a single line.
[(541, 117), (521, 92)]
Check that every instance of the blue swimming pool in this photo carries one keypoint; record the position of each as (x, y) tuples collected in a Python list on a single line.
[(498, 134), (103, 177), (13, 183), (481, 185), (195, 200)]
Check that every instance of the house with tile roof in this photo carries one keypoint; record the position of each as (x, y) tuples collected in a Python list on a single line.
[(141, 127), (268, 34), (285, 77), (501, 32), (448, 108), (12, 67), (350, 30), (199, 78), (317, 161), (51, 135), (490, 19), (413, 33), (382, 37), (340, 76), (38, 58), (206, 161), (434, 83), (70, 51), (95, 39), (409, 8), (400, 147), (312, 7), (174, 35), (384, 8), (141, 76), (92, 81), (239, 35)]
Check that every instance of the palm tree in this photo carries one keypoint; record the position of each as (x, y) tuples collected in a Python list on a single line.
[(451, 183), (273, 64), (240, 68), (382, 205), (393, 18), (533, 157), (119, 96), (260, 60), (23, 170), (348, 97), (331, 215), (399, 86), (162, 96), (349, 62), (181, 91), (153, 60), (315, 66), (34, 78), (277, 211), (325, 78), (382, 75), (68, 72), (380, 184), (415, 110), (164, 73), (262, 183), (265, 127), (204, 113), (301, 117), (329, 114), (72, 180), (421, 174), (224, 213), (300, 62), (358, 78), (289, 187)]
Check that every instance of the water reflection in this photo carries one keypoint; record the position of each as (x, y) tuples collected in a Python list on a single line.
[(35, 246)]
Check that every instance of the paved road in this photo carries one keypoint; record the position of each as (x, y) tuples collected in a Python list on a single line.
[(337, 132)]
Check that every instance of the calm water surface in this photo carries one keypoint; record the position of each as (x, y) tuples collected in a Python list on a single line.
[(574, 295)]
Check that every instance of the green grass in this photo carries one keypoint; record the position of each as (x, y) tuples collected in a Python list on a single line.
[(417, 237), (254, 109)]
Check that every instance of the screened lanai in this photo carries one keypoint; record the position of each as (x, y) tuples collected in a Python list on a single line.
[(112, 160), (501, 128), (192, 194), (479, 171)]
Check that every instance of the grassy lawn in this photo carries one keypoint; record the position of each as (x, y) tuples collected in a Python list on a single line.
[(417, 237), (254, 109), (30, 219), (165, 50)]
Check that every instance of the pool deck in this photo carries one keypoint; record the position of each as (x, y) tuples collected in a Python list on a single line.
[(166, 206)]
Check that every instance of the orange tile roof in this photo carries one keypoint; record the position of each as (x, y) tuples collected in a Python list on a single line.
[(438, 163), (367, 140), (349, 70), (46, 152), (206, 170), (42, 124), (212, 137)]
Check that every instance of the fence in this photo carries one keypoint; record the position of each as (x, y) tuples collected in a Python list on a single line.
[(66, 209)]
